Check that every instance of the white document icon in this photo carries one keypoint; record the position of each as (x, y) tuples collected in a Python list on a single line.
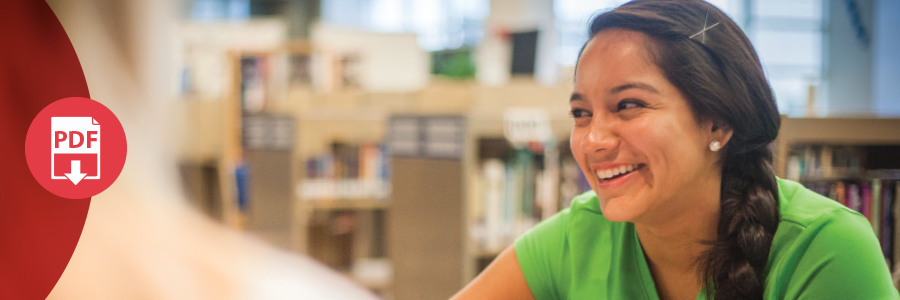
[(74, 148)]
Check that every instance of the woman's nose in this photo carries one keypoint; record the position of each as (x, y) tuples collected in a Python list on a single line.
[(599, 137)]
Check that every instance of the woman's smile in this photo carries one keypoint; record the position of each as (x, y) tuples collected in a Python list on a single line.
[(615, 175)]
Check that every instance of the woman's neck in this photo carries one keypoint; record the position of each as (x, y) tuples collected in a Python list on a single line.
[(672, 240)]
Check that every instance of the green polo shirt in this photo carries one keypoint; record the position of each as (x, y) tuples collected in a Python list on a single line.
[(822, 250)]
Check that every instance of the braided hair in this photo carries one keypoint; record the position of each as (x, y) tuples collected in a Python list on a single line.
[(708, 58)]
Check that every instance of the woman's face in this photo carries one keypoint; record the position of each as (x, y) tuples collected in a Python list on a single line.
[(631, 121)]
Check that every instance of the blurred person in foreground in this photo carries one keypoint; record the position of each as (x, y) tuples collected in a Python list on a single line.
[(673, 124), (141, 239)]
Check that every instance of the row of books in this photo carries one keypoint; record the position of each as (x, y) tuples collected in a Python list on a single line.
[(367, 161), (516, 193), (348, 172), (876, 199), (824, 162)]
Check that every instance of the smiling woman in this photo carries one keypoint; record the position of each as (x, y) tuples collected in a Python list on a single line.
[(673, 122)]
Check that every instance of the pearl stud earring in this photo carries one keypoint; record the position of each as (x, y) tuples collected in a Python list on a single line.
[(715, 146)]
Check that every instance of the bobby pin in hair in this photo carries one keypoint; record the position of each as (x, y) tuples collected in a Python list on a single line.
[(703, 37)]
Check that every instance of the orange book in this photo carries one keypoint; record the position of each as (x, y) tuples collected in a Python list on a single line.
[(841, 193)]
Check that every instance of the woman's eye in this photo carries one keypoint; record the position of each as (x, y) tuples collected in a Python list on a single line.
[(626, 104), (579, 113)]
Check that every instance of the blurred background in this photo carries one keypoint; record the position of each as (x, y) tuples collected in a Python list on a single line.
[(364, 149)]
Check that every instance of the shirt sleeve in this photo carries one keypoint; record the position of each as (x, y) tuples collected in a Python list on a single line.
[(541, 255), (843, 261)]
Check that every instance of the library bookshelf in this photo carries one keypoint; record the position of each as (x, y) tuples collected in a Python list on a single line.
[(837, 131), (855, 161)]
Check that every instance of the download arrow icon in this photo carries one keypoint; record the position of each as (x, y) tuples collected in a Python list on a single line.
[(76, 176)]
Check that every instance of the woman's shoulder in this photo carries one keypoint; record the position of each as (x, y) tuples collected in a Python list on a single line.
[(803, 207), (806, 216), (587, 202), (818, 242), (568, 243), (583, 213), (584, 208)]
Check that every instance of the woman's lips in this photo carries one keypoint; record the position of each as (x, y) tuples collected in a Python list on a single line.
[(619, 179)]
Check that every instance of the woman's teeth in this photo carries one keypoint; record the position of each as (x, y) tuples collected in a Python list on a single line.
[(613, 172)]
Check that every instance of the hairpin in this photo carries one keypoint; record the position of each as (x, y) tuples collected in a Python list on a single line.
[(703, 37)]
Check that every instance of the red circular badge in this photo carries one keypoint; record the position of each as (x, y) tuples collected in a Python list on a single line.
[(75, 147)]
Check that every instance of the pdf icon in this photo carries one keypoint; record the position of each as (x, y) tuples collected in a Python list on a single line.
[(75, 155), (75, 148)]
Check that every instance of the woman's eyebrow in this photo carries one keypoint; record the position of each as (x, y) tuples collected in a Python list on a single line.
[(576, 97), (633, 85), (619, 89)]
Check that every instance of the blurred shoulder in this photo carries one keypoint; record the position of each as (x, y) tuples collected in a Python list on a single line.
[(818, 243), (801, 206), (584, 206)]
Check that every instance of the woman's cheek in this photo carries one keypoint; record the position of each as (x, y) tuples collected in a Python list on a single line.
[(642, 135)]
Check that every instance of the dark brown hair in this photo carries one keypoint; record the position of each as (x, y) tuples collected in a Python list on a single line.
[(720, 75)]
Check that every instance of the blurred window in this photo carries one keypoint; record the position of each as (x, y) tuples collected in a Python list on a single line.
[(211, 10), (787, 35), (440, 24), (571, 18)]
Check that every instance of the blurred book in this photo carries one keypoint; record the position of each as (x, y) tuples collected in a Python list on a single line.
[(517, 188), (347, 172)]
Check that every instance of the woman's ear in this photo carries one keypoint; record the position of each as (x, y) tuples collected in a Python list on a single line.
[(720, 132)]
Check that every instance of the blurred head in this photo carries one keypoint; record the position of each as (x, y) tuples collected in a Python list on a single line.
[(657, 83)]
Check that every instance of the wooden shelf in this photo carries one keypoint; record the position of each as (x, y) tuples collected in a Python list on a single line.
[(867, 175), (349, 204), (834, 131), (832, 178)]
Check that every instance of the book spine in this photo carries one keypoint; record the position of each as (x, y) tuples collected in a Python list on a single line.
[(875, 194), (363, 159), (896, 212), (495, 176), (550, 196), (853, 199), (887, 222), (385, 155), (865, 196), (825, 161), (511, 195), (841, 193), (809, 159)]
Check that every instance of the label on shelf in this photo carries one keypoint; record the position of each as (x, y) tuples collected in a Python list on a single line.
[(328, 189), (439, 137), (268, 132)]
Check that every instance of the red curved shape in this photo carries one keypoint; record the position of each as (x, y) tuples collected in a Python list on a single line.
[(38, 230)]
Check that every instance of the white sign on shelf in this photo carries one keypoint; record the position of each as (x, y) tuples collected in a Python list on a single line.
[(524, 125)]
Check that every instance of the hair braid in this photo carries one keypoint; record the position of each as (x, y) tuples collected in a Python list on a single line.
[(747, 224)]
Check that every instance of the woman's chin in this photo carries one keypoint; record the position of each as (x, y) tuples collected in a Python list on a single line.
[(618, 210)]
